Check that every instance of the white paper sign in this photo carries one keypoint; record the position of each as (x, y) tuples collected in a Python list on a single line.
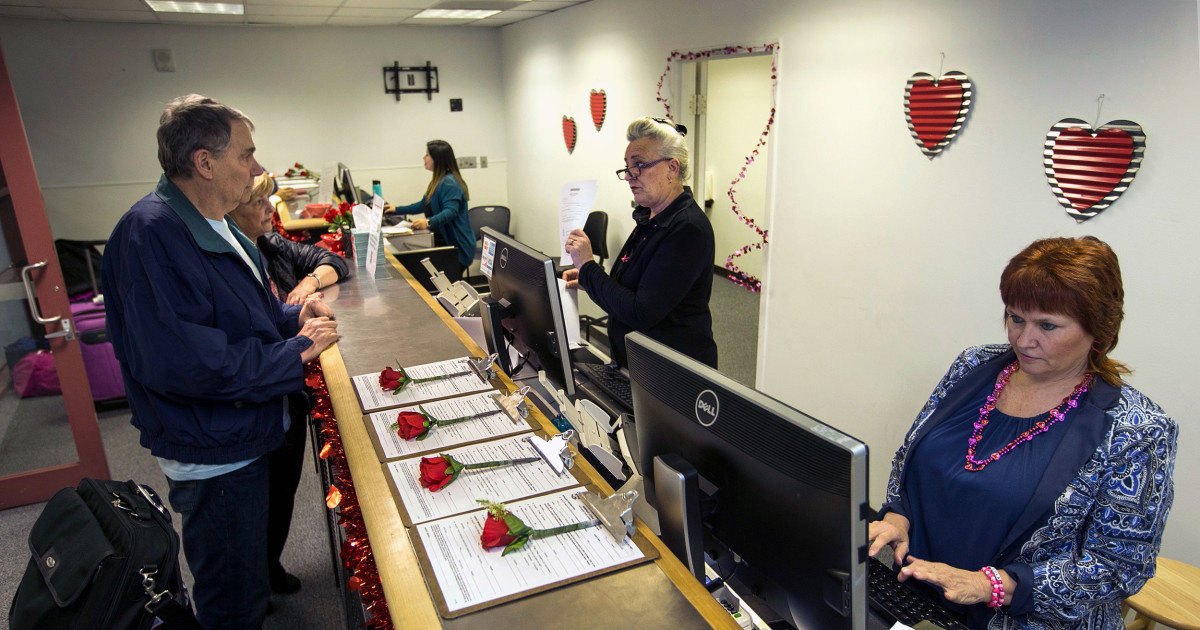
[(469, 575), (501, 484), (328, 173), (441, 438), (373, 398), (575, 203)]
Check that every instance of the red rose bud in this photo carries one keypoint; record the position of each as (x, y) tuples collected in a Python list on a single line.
[(436, 473), (495, 533), (411, 425), (298, 165), (389, 379)]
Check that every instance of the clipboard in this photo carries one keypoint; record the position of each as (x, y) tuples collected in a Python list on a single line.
[(441, 439), (417, 393), (562, 545), (408, 467)]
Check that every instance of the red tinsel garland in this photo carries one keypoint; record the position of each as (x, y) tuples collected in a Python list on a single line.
[(738, 277), (356, 553)]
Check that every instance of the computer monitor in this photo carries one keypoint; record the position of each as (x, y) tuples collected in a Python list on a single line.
[(524, 308), (731, 470), (343, 186)]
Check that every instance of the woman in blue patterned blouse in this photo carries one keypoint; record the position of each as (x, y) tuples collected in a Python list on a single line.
[(1033, 488)]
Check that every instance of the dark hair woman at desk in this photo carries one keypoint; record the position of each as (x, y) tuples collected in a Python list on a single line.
[(661, 281), (297, 270), (445, 203), (1034, 486)]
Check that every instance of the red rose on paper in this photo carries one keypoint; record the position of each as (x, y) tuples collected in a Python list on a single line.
[(437, 472), (390, 379), (411, 425), (495, 533)]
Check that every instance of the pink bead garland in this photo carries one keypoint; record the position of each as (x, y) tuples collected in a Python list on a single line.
[(1041, 426), (737, 276)]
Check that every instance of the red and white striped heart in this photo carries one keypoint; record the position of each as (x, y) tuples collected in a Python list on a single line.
[(570, 133), (1089, 169), (599, 104), (936, 109)]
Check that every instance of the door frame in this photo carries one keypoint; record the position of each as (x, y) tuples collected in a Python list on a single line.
[(33, 228)]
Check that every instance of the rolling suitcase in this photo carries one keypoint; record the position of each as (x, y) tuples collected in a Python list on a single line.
[(104, 556)]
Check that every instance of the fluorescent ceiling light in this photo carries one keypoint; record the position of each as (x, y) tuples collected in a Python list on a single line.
[(222, 8), (456, 14)]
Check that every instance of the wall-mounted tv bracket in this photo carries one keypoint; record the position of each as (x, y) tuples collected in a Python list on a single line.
[(399, 80)]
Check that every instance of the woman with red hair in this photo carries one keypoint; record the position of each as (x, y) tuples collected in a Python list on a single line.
[(1033, 488)]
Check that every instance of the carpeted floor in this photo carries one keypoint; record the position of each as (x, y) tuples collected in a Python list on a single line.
[(307, 555)]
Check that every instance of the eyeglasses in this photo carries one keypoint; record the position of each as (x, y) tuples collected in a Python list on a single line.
[(635, 171)]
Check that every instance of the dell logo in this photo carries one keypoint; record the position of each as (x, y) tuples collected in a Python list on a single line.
[(504, 258), (707, 407)]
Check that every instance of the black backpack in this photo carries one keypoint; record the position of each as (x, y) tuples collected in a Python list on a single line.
[(104, 556)]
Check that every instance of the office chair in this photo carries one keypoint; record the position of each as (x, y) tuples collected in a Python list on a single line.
[(596, 228)]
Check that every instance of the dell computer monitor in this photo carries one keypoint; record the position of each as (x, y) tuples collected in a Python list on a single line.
[(524, 308), (731, 470)]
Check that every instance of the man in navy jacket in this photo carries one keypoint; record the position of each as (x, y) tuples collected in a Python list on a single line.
[(207, 353)]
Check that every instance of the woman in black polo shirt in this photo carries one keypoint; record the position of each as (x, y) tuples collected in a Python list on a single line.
[(661, 281)]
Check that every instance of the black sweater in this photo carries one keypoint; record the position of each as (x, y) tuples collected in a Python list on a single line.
[(288, 261), (661, 282)]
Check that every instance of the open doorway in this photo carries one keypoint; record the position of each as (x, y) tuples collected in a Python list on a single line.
[(729, 103)]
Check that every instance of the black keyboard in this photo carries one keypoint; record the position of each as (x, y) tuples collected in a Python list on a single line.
[(610, 380), (898, 601)]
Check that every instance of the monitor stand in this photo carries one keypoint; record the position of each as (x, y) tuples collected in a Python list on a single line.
[(493, 312)]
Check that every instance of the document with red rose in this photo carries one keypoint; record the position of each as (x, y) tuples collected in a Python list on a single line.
[(373, 398), (468, 576), (389, 445), (507, 483)]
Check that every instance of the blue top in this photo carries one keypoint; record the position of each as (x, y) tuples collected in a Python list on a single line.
[(980, 507), (447, 213)]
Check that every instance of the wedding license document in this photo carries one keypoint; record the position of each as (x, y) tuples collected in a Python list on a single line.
[(372, 398), (391, 446), (470, 578), (418, 505)]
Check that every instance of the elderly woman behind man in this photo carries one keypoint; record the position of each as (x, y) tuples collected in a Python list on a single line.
[(661, 281), (1033, 488), (296, 270)]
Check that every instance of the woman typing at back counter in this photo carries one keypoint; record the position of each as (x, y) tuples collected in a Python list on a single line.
[(1057, 510), (661, 281)]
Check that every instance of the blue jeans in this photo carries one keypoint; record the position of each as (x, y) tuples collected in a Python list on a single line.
[(225, 543)]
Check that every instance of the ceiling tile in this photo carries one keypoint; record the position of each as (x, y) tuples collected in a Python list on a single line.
[(259, 11), (284, 20), (290, 3), (96, 5), (199, 18), (389, 4), (363, 21), (89, 15), (437, 22), (346, 12), (508, 17), (31, 12)]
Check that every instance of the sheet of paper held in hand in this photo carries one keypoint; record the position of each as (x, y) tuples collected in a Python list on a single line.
[(372, 398), (575, 202), (495, 484), (468, 575), (392, 446)]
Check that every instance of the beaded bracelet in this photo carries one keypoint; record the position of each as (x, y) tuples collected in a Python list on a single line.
[(993, 576)]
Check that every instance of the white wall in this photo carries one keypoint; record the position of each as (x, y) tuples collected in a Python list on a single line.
[(884, 264), (90, 99)]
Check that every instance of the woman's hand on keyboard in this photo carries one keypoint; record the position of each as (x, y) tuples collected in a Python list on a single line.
[(959, 586), (892, 530)]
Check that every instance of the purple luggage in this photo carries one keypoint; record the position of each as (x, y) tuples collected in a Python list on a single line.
[(103, 372)]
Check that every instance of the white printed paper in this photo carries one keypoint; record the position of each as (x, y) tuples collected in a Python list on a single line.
[(328, 173), (373, 398), (469, 575), (575, 203), (441, 438), (501, 484)]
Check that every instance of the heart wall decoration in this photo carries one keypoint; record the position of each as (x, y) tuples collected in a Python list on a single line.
[(570, 133), (936, 109), (1089, 169), (599, 104)]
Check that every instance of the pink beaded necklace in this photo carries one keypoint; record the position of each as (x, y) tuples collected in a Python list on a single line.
[(1041, 426)]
